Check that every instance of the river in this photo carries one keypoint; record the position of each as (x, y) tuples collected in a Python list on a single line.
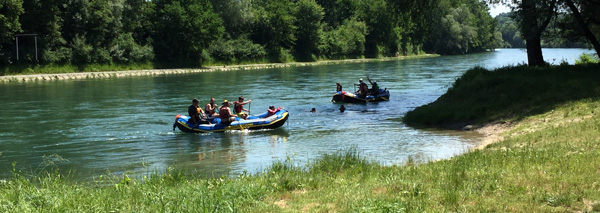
[(94, 127)]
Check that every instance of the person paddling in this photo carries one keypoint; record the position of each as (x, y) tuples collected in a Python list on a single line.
[(239, 107), (225, 114)]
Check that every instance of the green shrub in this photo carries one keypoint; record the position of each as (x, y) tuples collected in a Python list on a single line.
[(587, 59)]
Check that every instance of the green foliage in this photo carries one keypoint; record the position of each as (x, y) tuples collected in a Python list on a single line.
[(587, 59), (459, 30), (346, 41), (184, 29), (510, 31), (274, 27), (186, 33), (236, 51), (81, 51), (10, 10), (237, 16), (309, 29), (125, 50)]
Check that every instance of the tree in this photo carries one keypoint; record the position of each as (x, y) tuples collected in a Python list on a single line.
[(459, 31), (237, 16), (583, 23), (309, 29), (43, 18), (10, 10), (274, 27), (533, 17), (184, 28), (377, 15)]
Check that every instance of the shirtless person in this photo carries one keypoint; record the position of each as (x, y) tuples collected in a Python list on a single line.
[(211, 109)]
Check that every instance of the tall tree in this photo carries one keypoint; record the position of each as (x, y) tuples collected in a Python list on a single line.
[(10, 10), (533, 17), (184, 29), (583, 24), (43, 18), (237, 16), (274, 27), (309, 29)]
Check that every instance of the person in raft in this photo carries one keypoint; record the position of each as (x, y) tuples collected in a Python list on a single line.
[(211, 109), (239, 108), (363, 88), (338, 87), (374, 87), (272, 110), (195, 113), (225, 114)]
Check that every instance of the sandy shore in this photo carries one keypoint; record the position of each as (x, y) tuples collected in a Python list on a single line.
[(154, 72), (492, 133)]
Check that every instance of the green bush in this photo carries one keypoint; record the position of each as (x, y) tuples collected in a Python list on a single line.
[(348, 40), (587, 59), (236, 51)]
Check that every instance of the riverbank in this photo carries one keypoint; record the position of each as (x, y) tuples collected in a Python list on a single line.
[(153, 72), (543, 162)]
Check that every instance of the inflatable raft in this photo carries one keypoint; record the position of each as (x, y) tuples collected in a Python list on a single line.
[(348, 97), (252, 123)]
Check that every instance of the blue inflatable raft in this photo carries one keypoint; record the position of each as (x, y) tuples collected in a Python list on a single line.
[(252, 123)]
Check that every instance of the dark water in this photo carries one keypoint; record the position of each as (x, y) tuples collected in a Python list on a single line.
[(119, 125)]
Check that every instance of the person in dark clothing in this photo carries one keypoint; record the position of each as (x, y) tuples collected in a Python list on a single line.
[(374, 87), (338, 87), (195, 113), (363, 88)]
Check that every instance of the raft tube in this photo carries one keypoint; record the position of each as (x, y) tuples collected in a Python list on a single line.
[(253, 122)]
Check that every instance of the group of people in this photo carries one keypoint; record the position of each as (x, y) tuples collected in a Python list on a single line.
[(363, 88), (199, 116)]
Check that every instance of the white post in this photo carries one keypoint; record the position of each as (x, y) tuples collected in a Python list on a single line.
[(17, 37), (36, 58)]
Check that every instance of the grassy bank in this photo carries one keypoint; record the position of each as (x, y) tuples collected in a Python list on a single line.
[(507, 94), (548, 162)]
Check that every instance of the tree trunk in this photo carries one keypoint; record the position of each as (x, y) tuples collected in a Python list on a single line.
[(532, 33), (536, 16), (586, 30), (534, 51)]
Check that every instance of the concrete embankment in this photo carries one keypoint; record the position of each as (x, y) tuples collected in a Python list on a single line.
[(154, 72)]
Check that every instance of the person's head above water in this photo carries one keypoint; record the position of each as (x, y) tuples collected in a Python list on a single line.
[(313, 110)]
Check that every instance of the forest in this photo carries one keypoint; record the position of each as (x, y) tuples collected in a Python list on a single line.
[(192, 33)]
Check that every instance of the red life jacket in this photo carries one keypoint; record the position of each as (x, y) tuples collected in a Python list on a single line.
[(224, 113), (238, 107)]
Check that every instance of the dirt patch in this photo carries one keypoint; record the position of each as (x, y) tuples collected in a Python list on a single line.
[(281, 203), (309, 206), (492, 133)]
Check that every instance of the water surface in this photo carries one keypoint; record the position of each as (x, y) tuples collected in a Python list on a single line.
[(118, 125)]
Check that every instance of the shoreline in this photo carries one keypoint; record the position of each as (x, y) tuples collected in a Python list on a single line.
[(154, 72)]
